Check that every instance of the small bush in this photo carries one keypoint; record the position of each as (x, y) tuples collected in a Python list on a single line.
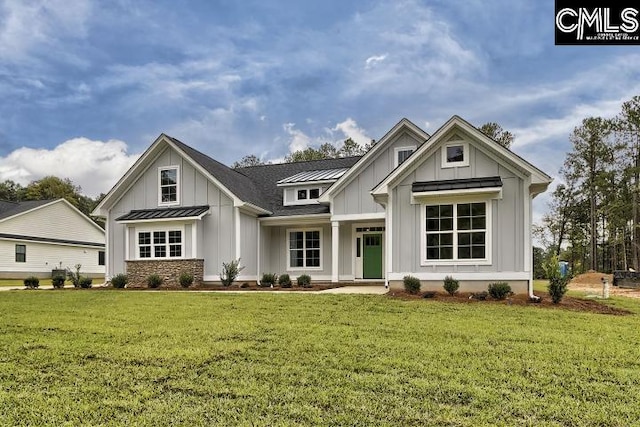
[(304, 281), (411, 284), (482, 296), (499, 290), (429, 294), (230, 272), (85, 282), (74, 276), (451, 285), (185, 279), (284, 281), (32, 282), (58, 281), (154, 281), (119, 281), (268, 280), (557, 283)]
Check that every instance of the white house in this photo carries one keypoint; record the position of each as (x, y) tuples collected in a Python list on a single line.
[(453, 203), (37, 237)]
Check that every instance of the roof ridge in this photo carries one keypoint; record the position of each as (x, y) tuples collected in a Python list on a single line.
[(294, 163)]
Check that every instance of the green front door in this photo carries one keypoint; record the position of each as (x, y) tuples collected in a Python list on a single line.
[(372, 256)]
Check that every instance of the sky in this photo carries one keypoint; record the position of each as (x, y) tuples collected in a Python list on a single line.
[(86, 86)]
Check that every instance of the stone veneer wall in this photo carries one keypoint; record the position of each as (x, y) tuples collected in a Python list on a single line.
[(168, 269)]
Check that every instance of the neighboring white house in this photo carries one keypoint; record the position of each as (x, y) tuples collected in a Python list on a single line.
[(37, 237), (452, 203)]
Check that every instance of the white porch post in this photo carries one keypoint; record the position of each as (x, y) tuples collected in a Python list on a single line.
[(238, 240), (389, 239), (335, 250)]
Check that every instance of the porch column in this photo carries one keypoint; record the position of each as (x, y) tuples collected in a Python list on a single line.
[(335, 251)]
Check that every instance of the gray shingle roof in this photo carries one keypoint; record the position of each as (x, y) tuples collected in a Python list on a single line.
[(163, 213), (266, 178), (456, 184), (8, 209)]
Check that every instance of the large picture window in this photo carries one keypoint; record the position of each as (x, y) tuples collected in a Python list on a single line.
[(160, 244), (304, 249), (168, 191), (456, 231)]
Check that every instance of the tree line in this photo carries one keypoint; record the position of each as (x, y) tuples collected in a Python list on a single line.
[(593, 221)]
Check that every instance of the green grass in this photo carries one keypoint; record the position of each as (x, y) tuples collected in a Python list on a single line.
[(20, 282), (171, 358)]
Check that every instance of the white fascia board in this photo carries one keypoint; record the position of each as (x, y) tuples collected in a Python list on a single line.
[(371, 155), (307, 183), (359, 217), (296, 219), (496, 192), (250, 207)]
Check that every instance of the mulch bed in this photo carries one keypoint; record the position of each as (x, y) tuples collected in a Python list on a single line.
[(238, 287), (568, 303)]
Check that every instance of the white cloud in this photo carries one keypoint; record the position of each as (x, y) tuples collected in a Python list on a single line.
[(27, 25), (372, 61), (350, 129), (298, 141), (93, 165)]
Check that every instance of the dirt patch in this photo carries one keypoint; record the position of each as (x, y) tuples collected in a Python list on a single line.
[(591, 284), (567, 303)]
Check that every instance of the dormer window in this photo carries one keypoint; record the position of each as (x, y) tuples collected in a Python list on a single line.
[(168, 190), (455, 154), (307, 194)]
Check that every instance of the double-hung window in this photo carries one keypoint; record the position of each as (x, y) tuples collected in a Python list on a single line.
[(168, 191), (160, 244), (304, 249), (456, 232), (21, 253)]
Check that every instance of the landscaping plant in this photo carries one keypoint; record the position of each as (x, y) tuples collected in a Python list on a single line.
[(411, 284), (154, 281), (74, 276), (85, 282), (557, 282), (284, 281), (32, 282), (451, 285), (230, 272), (119, 281), (58, 281), (499, 290), (185, 279), (304, 281), (268, 280)]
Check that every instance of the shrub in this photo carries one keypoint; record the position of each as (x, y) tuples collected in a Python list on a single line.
[(268, 280), (58, 281), (119, 280), (230, 272), (304, 281), (499, 290), (482, 296), (154, 281), (74, 276), (557, 283), (285, 281), (85, 282), (32, 282), (411, 284), (185, 279), (451, 285)]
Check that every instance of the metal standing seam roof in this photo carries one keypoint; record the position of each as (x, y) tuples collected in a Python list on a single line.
[(164, 213), (456, 184), (315, 175)]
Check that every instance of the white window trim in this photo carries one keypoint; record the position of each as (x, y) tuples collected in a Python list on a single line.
[(288, 248), (306, 201), (488, 235), (167, 244), (160, 169), (465, 151), (397, 150)]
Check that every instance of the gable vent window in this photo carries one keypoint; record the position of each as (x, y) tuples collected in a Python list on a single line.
[(455, 155), (402, 154), (168, 192), (307, 194)]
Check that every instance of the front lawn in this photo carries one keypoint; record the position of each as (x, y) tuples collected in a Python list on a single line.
[(108, 357)]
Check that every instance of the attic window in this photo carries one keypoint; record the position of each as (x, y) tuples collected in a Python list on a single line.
[(168, 188), (402, 154), (307, 194), (455, 154)]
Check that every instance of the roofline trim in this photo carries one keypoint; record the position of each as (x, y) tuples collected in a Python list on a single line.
[(63, 200), (24, 238)]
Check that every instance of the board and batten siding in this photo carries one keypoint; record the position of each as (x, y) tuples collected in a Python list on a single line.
[(356, 197), (248, 244), (44, 257), (507, 216), (215, 232)]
